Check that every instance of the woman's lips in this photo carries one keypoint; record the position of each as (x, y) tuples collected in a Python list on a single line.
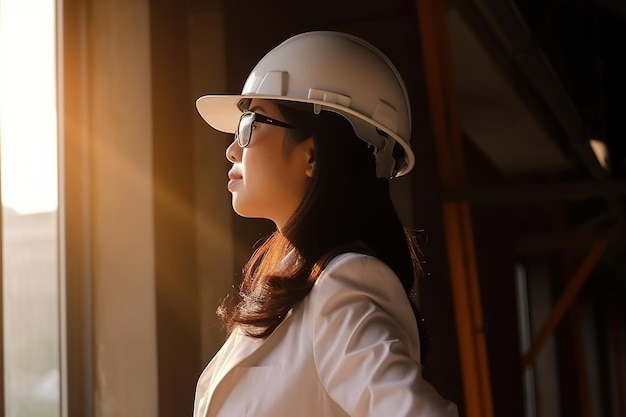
[(233, 178)]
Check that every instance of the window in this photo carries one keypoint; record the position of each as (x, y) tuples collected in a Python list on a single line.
[(28, 161), (534, 303)]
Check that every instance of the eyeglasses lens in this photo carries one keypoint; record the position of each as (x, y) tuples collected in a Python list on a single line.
[(244, 131)]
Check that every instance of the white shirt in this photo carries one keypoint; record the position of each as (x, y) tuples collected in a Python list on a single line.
[(350, 348)]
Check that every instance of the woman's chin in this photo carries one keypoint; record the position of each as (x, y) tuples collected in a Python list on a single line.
[(243, 209)]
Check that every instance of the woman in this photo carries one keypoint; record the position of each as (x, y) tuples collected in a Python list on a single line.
[(324, 324)]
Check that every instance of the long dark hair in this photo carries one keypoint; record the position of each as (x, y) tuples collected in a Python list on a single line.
[(346, 208)]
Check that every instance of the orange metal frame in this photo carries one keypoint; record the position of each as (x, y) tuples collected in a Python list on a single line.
[(431, 17)]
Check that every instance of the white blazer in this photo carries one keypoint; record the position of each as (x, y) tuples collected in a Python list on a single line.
[(350, 348)]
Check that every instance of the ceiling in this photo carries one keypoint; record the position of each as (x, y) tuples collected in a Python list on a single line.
[(493, 114), (537, 80)]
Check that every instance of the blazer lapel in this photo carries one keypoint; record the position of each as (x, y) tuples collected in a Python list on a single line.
[(238, 348)]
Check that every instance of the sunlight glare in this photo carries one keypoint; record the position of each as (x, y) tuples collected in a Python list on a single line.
[(28, 125)]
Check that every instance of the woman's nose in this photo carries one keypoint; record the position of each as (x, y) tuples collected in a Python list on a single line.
[(233, 152)]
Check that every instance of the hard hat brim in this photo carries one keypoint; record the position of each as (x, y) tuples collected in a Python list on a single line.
[(222, 113)]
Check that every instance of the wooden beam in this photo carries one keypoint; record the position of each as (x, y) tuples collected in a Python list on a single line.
[(540, 242), (565, 301), (439, 80), (526, 193)]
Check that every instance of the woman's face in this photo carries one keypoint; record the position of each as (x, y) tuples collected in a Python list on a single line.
[(269, 177)]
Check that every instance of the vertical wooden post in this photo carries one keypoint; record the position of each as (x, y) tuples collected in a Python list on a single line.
[(75, 211), (176, 279), (439, 78)]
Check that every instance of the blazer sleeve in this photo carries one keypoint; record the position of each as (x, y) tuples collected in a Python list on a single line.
[(365, 342)]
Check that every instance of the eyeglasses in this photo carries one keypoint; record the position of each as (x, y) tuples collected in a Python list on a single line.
[(246, 126)]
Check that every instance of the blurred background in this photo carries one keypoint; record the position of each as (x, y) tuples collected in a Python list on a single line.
[(118, 239)]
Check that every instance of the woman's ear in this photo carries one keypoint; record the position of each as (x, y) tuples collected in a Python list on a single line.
[(310, 164)]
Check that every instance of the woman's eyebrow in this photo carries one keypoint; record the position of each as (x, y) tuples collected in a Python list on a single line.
[(257, 107)]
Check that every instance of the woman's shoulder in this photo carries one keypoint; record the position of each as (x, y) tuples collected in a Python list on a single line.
[(351, 259), (359, 272), (355, 286)]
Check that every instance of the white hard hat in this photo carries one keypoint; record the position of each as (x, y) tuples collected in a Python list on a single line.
[(335, 72)]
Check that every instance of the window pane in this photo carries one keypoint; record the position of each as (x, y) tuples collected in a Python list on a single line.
[(28, 144)]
